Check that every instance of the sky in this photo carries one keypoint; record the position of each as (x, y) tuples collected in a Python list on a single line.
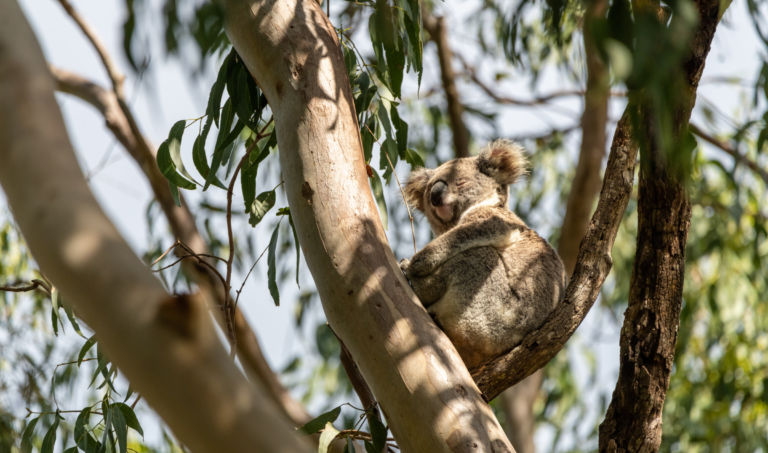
[(172, 93)]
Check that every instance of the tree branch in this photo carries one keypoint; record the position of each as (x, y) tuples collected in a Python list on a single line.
[(183, 226), (741, 158), (633, 421), (426, 393), (438, 33), (518, 401), (592, 267), (200, 393)]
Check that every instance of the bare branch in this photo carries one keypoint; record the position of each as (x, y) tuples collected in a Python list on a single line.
[(438, 32), (741, 158), (183, 226)]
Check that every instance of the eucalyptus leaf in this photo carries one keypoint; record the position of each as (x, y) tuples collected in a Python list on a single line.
[(260, 206), (49, 441), (84, 350), (378, 194), (378, 433), (272, 268), (316, 424), (168, 168), (130, 417), (26, 437), (327, 437), (121, 428), (174, 147)]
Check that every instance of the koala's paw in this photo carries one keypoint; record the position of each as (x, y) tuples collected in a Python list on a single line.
[(419, 266), (405, 265)]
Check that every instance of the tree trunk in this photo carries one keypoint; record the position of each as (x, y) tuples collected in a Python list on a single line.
[(648, 337), (426, 393), (166, 346)]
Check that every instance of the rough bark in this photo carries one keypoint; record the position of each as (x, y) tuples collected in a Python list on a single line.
[(438, 33), (184, 228), (592, 267), (649, 334), (200, 393), (427, 395)]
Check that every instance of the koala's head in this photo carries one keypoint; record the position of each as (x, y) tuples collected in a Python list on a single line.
[(447, 192)]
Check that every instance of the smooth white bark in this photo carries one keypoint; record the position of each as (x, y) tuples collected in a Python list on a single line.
[(429, 398)]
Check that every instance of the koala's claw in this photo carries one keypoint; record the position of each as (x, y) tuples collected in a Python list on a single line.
[(405, 264)]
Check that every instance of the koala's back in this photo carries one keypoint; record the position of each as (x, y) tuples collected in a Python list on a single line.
[(495, 296)]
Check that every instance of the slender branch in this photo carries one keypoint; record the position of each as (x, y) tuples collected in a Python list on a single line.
[(741, 158), (592, 267), (183, 226), (438, 32), (34, 284), (114, 74)]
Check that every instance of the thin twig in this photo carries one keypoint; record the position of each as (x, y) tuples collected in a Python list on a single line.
[(237, 299), (383, 151), (731, 151), (136, 402), (114, 74), (229, 309)]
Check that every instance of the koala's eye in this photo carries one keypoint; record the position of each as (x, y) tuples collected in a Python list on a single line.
[(462, 183)]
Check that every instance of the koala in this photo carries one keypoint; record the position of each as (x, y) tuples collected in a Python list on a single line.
[(486, 279)]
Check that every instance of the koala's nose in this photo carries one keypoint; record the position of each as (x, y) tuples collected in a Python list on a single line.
[(438, 192)]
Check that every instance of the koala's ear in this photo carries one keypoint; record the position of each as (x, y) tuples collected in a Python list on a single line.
[(503, 160), (415, 187)]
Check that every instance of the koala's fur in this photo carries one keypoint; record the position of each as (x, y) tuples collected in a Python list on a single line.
[(487, 279)]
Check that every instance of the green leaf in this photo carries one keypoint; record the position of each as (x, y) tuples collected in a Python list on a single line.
[(130, 417), (367, 131), (327, 437), (388, 149), (54, 321), (349, 447), (201, 163), (174, 147), (49, 441), (316, 424), (413, 28), (220, 152), (71, 450), (350, 61), (129, 393), (260, 206), (102, 367), (369, 448), (175, 193), (83, 438), (84, 350), (378, 194), (248, 178), (298, 248), (272, 269), (26, 437), (121, 428), (414, 159), (71, 316), (378, 433), (395, 65), (363, 100), (168, 168), (217, 90), (107, 424), (402, 132)]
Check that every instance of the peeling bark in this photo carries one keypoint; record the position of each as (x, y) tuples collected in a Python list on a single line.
[(633, 422)]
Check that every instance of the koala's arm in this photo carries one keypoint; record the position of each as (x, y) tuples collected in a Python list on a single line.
[(484, 227), (429, 289)]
